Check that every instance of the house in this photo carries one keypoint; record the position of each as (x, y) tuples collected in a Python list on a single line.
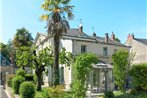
[(77, 42), (5, 68), (139, 47)]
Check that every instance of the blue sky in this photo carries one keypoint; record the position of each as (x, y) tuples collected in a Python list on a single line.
[(120, 16)]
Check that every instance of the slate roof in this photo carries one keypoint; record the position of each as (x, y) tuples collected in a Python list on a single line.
[(76, 33), (143, 41)]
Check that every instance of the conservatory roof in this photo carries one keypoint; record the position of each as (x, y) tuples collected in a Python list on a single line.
[(101, 65)]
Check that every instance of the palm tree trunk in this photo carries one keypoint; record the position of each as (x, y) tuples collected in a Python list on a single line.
[(56, 60)]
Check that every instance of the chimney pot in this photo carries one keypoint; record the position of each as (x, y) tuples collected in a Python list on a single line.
[(80, 27), (94, 34), (106, 37), (113, 36)]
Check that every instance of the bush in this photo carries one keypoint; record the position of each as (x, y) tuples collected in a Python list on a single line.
[(42, 94), (108, 94), (29, 77), (56, 91), (9, 79), (139, 77), (35, 79), (27, 90), (20, 72), (16, 83)]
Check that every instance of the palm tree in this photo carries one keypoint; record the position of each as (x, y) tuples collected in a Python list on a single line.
[(57, 25)]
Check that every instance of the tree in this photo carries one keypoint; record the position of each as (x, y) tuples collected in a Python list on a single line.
[(57, 25), (120, 61), (45, 58), (81, 69), (23, 42), (4, 51), (41, 59), (22, 38), (24, 57), (117, 39)]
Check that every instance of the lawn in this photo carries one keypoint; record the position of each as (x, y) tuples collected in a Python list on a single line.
[(118, 94)]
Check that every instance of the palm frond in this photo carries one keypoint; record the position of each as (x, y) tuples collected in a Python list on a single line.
[(44, 17), (65, 1)]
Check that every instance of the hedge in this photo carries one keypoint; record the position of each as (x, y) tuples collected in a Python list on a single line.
[(20, 72), (16, 83), (27, 90), (138, 73), (9, 79)]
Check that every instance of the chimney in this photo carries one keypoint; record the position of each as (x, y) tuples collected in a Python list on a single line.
[(106, 37), (80, 27), (94, 34), (131, 36), (113, 36)]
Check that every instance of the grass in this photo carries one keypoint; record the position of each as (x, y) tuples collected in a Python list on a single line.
[(118, 94)]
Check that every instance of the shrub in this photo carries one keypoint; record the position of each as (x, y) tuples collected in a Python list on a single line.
[(56, 91), (9, 79), (35, 79), (16, 83), (20, 72), (108, 94), (29, 77), (27, 90), (42, 94), (139, 77)]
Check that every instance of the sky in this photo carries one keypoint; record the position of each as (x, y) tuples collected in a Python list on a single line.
[(106, 16)]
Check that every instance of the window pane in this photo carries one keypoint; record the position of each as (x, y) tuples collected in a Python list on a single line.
[(83, 49), (105, 51)]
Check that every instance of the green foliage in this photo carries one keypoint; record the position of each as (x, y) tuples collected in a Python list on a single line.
[(120, 64), (9, 79), (139, 76), (27, 90), (24, 56), (66, 57), (29, 77), (81, 69), (117, 39), (16, 83), (5, 51), (42, 94), (20, 72), (119, 94), (42, 59), (22, 38), (56, 91), (35, 79), (108, 94)]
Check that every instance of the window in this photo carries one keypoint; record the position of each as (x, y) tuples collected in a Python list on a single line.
[(62, 74), (105, 51), (83, 48)]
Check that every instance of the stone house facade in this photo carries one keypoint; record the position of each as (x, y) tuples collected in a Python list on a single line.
[(139, 47), (77, 42)]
